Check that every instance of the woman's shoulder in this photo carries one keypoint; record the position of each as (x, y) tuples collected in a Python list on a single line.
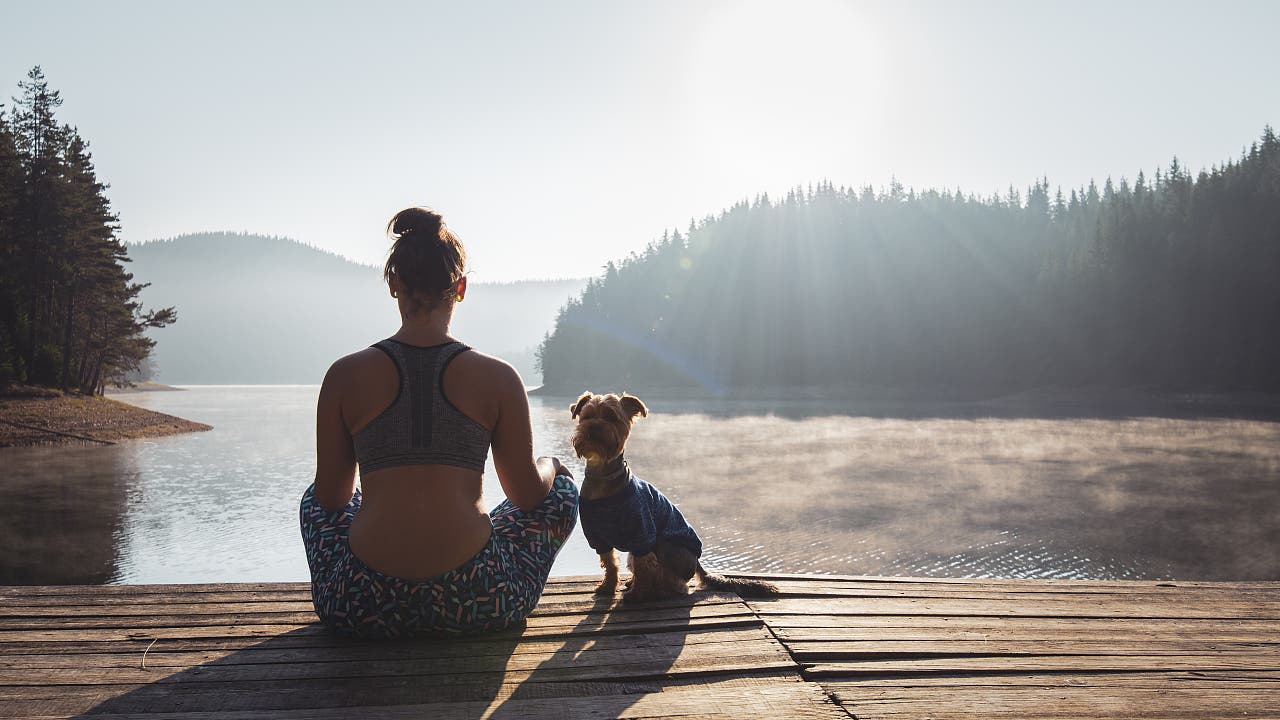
[(356, 364), (493, 369)]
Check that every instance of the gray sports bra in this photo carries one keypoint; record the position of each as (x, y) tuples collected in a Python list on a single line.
[(421, 426)]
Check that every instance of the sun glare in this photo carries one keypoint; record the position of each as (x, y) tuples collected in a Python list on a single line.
[(784, 91)]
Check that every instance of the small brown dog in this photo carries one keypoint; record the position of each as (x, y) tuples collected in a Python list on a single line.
[(619, 510)]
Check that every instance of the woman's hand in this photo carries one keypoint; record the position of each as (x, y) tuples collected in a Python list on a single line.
[(557, 467)]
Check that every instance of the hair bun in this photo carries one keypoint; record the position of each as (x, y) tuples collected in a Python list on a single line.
[(427, 258), (416, 221)]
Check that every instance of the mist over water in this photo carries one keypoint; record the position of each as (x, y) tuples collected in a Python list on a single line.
[(808, 486), (1140, 498)]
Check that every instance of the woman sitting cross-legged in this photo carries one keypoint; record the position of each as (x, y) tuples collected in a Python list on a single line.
[(412, 551)]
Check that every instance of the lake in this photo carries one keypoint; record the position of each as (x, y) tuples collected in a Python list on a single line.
[(781, 486)]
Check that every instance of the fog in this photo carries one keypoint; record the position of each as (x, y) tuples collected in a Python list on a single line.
[(260, 310)]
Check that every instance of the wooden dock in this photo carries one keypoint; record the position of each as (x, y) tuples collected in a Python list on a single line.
[(830, 647)]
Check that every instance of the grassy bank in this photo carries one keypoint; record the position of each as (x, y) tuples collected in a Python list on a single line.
[(39, 416)]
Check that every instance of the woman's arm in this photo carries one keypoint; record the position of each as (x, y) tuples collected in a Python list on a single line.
[(335, 456), (525, 482)]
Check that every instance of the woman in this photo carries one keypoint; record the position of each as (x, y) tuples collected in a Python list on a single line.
[(412, 550)]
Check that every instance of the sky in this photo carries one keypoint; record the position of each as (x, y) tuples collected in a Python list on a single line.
[(557, 136)]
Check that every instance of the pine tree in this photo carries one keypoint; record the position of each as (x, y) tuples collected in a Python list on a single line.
[(39, 139), (12, 364), (70, 315)]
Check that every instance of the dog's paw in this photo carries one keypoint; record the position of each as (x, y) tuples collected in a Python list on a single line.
[(632, 597), (608, 587)]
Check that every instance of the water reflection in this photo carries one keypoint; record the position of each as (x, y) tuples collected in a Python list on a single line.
[(66, 513), (805, 490)]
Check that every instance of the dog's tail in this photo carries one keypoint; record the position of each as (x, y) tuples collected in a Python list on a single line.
[(741, 586)]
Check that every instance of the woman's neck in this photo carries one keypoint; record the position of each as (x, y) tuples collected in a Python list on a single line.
[(425, 328)]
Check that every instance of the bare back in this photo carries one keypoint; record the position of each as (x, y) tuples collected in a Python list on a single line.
[(417, 521)]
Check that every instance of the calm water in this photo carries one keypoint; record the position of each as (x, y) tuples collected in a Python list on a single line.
[(787, 487)]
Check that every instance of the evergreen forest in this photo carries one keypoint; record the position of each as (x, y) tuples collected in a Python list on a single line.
[(69, 312), (1171, 281)]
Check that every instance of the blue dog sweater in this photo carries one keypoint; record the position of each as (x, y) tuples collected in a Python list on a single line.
[(634, 520)]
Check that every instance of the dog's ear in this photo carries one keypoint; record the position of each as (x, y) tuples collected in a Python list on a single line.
[(576, 408), (633, 406)]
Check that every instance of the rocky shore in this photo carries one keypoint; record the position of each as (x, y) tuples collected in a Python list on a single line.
[(40, 416)]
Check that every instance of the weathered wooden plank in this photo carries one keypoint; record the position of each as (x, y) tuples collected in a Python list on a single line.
[(144, 622), (739, 697), (71, 635), (73, 641), (1045, 663), (1059, 702), (483, 646), (13, 591), (1201, 631), (184, 602), (558, 625), (611, 706), (818, 623), (588, 657), (141, 623), (576, 583), (1018, 587), (1224, 609), (861, 650), (90, 599), (374, 693), (1161, 598), (1222, 679), (304, 693), (234, 616), (585, 583), (204, 603), (141, 610), (896, 647), (1011, 583), (555, 603), (571, 664)]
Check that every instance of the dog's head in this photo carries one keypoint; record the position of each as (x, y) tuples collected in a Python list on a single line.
[(604, 422)]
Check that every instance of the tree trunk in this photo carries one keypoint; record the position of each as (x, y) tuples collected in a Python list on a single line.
[(66, 339), (91, 387)]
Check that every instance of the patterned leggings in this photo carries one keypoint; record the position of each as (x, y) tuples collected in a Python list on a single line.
[(496, 588)]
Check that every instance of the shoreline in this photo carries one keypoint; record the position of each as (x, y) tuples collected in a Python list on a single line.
[(32, 416), (142, 387), (916, 402)]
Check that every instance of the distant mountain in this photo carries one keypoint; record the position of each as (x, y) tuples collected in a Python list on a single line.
[(255, 309)]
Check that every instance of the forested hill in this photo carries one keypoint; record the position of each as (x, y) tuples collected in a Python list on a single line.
[(261, 309), (1172, 280)]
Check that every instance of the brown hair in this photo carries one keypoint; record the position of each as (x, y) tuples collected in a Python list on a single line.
[(426, 256)]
